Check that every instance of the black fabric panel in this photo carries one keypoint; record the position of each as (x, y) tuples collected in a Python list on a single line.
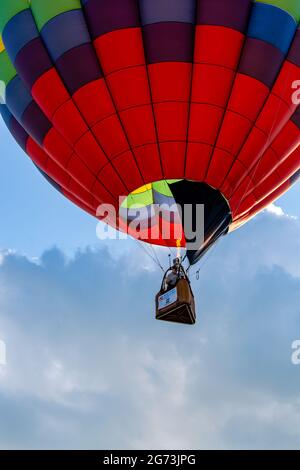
[(217, 215)]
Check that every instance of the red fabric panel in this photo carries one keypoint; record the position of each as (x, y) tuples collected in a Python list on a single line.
[(94, 102), (270, 198), (125, 165), (289, 73), (252, 148), (171, 121), (275, 156), (36, 153), (170, 81), (138, 134), (270, 128), (266, 164), (237, 171), (80, 172), (129, 87), (58, 174), (111, 135), (218, 45), (287, 140), (69, 122), (148, 160), (211, 84), (103, 195), (204, 123), (274, 116), (217, 52), (87, 146), (170, 88), (269, 185), (242, 97), (236, 202), (235, 129), (290, 166), (83, 196), (218, 168), (49, 92), (111, 179), (77, 201), (172, 154), (57, 147), (197, 163), (120, 49)]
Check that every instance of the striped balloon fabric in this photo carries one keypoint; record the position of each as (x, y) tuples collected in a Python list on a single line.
[(115, 98)]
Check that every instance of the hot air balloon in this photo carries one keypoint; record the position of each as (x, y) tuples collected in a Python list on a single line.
[(138, 102)]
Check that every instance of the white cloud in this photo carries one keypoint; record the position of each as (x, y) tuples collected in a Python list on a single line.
[(4, 253), (88, 366), (279, 212), (276, 210)]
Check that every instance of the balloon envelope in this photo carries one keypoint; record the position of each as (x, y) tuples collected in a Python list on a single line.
[(193, 101)]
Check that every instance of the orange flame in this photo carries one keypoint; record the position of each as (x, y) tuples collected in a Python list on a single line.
[(178, 244)]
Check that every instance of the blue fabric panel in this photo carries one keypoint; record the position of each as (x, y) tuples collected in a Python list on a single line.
[(6, 114), (64, 32), (17, 97), (272, 25), (18, 32)]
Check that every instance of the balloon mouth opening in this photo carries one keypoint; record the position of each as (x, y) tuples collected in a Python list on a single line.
[(192, 210), (154, 207)]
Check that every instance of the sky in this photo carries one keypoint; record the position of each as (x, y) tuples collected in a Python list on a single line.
[(89, 367)]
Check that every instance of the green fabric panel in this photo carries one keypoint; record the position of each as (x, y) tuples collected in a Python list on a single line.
[(291, 6), (172, 181), (7, 70), (9, 9), (45, 10), (138, 200), (146, 198), (162, 187)]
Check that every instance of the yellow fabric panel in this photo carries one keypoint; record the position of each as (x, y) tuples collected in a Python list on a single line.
[(2, 48)]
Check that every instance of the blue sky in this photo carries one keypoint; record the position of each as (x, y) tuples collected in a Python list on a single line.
[(87, 365)]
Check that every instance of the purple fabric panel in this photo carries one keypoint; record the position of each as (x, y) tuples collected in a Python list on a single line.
[(296, 118), (105, 16), (36, 123), (295, 178), (18, 133), (294, 54), (169, 42), (254, 63), (161, 11), (32, 62), (78, 66), (229, 13)]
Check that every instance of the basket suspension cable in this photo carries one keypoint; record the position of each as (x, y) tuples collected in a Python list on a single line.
[(157, 258), (153, 258)]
